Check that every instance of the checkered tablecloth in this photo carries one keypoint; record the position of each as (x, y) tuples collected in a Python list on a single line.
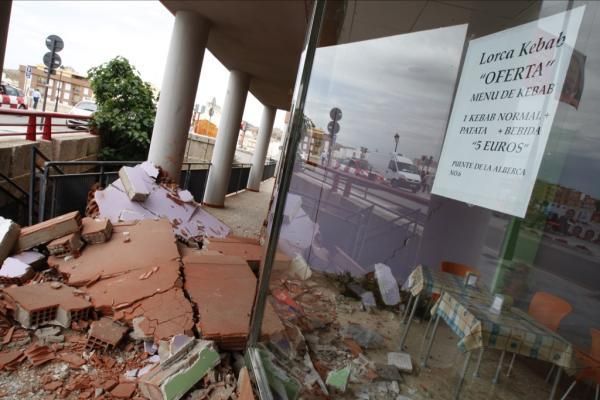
[(513, 330), (428, 282)]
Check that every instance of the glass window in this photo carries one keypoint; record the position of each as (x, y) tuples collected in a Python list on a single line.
[(372, 246), (67, 86), (86, 91)]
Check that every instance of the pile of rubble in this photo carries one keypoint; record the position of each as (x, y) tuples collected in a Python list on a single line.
[(333, 344), (149, 296), (133, 301)]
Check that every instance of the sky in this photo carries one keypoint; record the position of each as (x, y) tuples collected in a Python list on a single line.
[(97, 31)]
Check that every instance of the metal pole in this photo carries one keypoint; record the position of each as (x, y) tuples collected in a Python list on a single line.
[(50, 67), (462, 375), (407, 327), (428, 350), (555, 385), (31, 185), (58, 90), (497, 376), (476, 372), (43, 185)]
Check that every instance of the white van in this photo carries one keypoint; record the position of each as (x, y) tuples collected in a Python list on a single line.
[(401, 172)]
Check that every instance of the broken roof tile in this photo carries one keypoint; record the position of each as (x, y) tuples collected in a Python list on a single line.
[(105, 334)]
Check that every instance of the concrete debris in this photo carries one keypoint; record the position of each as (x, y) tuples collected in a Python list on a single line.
[(401, 360), (105, 334), (41, 304), (339, 379), (46, 231), (133, 183), (299, 268), (388, 286), (15, 272), (69, 244), (49, 335), (379, 391), (96, 230), (188, 219), (365, 337), (9, 235), (173, 381)]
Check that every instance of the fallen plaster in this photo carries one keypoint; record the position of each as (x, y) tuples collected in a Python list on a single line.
[(9, 234), (14, 271), (189, 220)]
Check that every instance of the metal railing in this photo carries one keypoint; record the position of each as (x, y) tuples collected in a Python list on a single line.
[(61, 191), (30, 123)]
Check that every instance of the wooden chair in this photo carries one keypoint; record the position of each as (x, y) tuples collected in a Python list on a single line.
[(589, 364)]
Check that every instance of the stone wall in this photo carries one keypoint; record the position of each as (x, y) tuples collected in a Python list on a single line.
[(15, 156)]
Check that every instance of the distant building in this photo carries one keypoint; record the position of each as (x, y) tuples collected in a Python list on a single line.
[(70, 86)]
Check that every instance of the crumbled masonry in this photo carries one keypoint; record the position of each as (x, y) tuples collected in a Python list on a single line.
[(151, 299)]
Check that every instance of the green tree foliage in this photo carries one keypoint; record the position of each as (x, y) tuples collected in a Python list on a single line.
[(126, 110)]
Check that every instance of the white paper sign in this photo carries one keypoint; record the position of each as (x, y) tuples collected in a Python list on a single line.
[(503, 111)]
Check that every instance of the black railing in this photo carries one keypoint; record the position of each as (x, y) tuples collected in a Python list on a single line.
[(61, 191)]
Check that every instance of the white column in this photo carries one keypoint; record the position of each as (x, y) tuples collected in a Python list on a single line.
[(229, 129), (178, 92), (262, 146), (5, 7)]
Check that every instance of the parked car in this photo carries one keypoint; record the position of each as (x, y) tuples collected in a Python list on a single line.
[(12, 97), (84, 108), (401, 172), (359, 167)]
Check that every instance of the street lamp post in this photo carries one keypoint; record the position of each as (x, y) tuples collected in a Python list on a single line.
[(396, 139)]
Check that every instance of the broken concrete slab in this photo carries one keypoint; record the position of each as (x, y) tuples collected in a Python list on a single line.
[(366, 338), (49, 230), (105, 334), (151, 244), (388, 286), (189, 220), (133, 183), (9, 235), (69, 244), (15, 272), (117, 292), (172, 382), (161, 316), (46, 303), (96, 230), (400, 360)]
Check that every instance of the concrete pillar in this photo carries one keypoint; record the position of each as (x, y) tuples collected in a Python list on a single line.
[(5, 7), (229, 129), (262, 146), (178, 92)]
